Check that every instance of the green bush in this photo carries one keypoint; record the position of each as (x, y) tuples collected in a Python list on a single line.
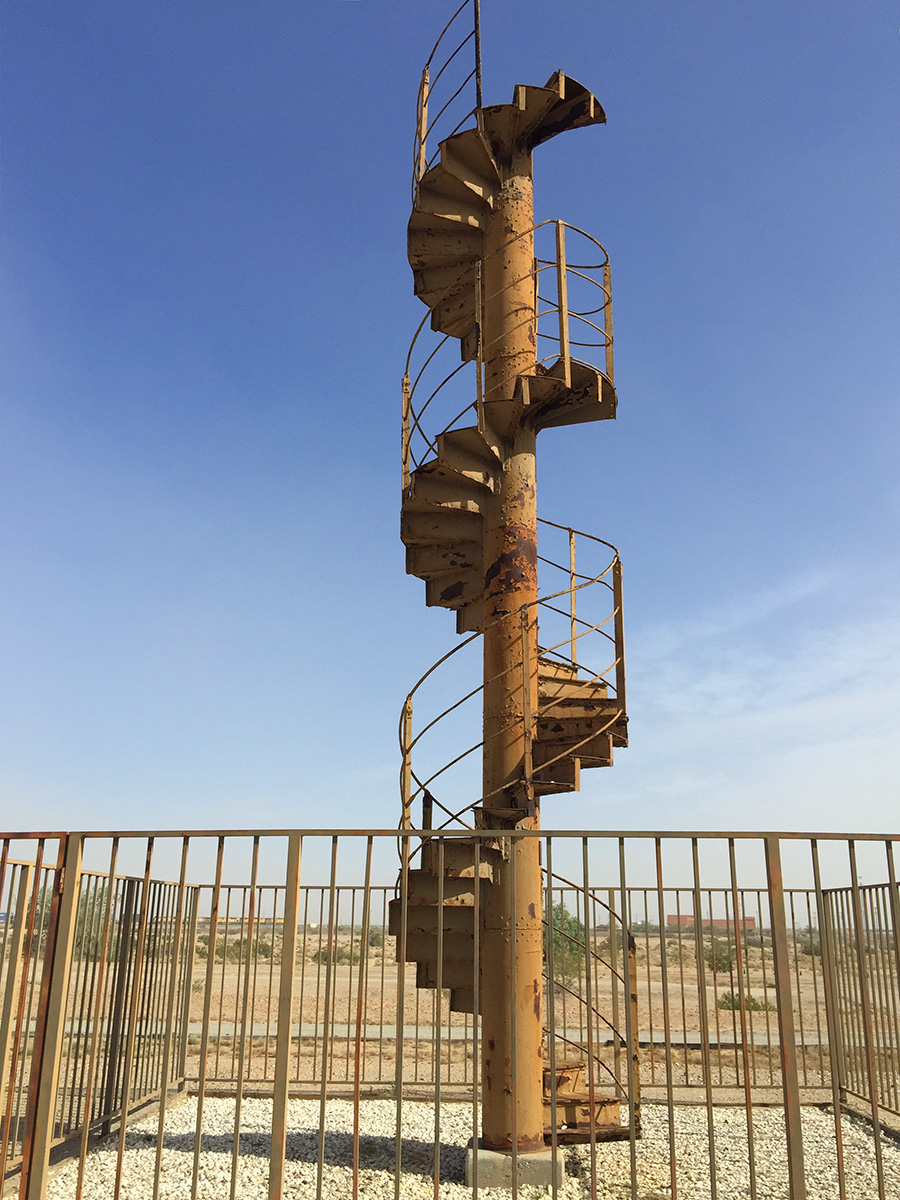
[(719, 957), (808, 942), (234, 949), (568, 945), (339, 954), (731, 1002)]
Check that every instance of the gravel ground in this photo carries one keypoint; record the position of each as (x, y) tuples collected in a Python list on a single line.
[(378, 1119)]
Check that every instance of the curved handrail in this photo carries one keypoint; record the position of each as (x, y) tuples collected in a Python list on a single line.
[(415, 784), (552, 317), (425, 124)]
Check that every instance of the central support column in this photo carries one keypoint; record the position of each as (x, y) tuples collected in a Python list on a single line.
[(511, 941)]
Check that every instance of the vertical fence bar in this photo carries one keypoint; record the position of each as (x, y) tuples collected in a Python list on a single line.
[(562, 286), (589, 998), (894, 906), (50, 1031), (362, 980), (632, 1035), (9, 1122), (13, 966), (399, 1019), (327, 1030), (826, 946), (549, 954), (667, 1027), (169, 1031), (868, 1030), (742, 1006), (117, 1013), (207, 1008), (786, 1037), (110, 901), (280, 1095), (133, 1017), (614, 968), (246, 1015), (704, 1013), (436, 1031), (188, 983)]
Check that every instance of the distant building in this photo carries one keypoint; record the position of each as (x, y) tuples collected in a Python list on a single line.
[(686, 920)]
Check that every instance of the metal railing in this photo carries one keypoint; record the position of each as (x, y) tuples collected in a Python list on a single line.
[(254, 978), (572, 312), (459, 96), (581, 628)]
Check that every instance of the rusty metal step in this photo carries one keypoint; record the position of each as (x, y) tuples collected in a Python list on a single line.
[(562, 776), (459, 859), (570, 687), (423, 918), (455, 973)]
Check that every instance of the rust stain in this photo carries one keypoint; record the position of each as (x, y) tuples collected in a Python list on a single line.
[(537, 1000), (531, 910), (516, 565), (453, 592)]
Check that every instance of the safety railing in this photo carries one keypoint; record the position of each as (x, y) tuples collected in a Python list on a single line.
[(580, 623), (449, 94), (572, 319), (765, 977)]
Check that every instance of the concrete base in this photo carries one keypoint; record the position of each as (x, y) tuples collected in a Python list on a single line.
[(495, 1167)]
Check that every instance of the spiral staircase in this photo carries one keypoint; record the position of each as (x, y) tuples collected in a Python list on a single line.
[(581, 715)]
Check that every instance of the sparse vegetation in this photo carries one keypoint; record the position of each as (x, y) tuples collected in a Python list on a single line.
[(731, 1002), (719, 957), (568, 945), (234, 949), (808, 942), (339, 955)]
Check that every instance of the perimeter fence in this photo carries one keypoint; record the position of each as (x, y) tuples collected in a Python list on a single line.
[(146, 975)]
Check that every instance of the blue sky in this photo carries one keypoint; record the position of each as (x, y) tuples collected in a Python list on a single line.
[(204, 310)]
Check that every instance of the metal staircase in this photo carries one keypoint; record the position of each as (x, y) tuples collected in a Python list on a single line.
[(518, 298)]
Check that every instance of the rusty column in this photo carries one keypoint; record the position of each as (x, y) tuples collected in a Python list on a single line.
[(512, 1067)]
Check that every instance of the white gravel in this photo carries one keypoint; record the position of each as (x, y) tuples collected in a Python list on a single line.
[(377, 1151)]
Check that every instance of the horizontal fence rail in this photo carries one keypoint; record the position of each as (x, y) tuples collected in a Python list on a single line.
[(274, 993)]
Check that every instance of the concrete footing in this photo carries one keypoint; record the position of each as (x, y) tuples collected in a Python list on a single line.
[(495, 1167)]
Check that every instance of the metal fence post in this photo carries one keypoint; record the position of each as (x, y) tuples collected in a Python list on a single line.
[(13, 982), (188, 984), (50, 1032), (110, 1093), (784, 1000), (285, 1018)]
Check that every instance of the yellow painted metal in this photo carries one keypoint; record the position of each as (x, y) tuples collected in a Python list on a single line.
[(573, 629), (51, 1029), (285, 1018), (608, 321), (511, 936), (562, 290), (169, 1048), (13, 961), (134, 1002), (422, 157)]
